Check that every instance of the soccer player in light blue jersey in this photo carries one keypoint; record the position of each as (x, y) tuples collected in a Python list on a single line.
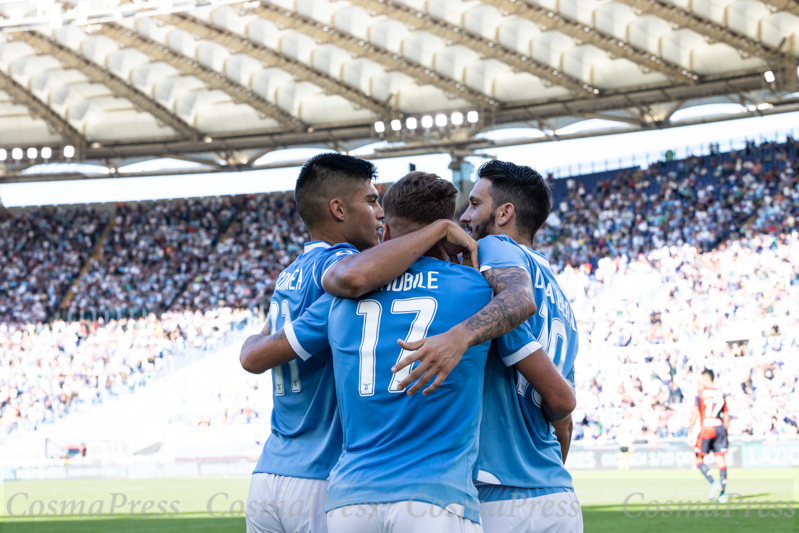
[(521, 477), (338, 203), (526, 427)]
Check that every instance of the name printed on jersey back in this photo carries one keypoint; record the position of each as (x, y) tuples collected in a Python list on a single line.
[(290, 281), (408, 281)]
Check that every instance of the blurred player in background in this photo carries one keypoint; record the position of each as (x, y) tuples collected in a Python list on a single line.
[(714, 419)]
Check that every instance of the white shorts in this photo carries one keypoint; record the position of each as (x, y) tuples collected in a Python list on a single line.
[(399, 517), (554, 513), (281, 504)]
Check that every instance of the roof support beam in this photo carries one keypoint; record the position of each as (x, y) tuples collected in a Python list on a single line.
[(488, 49), (581, 33), (791, 6), (390, 60), (37, 108), (213, 79), (506, 115), (97, 74), (701, 25), (272, 58)]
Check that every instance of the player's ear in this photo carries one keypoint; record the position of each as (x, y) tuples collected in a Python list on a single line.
[(504, 214), (386, 230), (338, 208)]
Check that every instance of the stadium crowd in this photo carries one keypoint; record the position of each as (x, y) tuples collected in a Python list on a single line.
[(684, 265), (41, 252), (700, 201), (654, 324), (49, 369), (151, 253)]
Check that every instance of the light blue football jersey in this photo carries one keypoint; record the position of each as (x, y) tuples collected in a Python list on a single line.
[(306, 434), (400, 448), (518, 447)]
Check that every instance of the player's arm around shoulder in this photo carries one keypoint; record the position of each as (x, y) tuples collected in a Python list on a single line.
[(513, 303), (302, 338), (358, 274), (262, 351)]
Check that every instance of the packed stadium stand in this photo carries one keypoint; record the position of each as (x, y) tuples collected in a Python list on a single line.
[(684, 265)]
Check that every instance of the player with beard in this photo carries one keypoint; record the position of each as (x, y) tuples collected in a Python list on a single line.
[(525, 432)]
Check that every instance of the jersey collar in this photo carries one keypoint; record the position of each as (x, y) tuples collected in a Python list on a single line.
[(315, 244)]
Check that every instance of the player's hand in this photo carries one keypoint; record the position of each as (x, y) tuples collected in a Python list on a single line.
[(458, 241), (437, 356)]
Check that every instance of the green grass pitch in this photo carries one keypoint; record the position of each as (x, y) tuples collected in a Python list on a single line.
[(759, 503)]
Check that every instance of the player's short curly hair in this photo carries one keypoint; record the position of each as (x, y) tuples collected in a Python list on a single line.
[(421, 198), (327, 176)]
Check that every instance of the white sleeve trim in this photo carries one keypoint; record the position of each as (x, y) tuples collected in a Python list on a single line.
[(295, 344), (525, 351), (322, 278), (485, 267)]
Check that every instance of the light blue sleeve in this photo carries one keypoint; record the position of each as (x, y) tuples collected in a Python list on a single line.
[(330, 256), (518, 344), (308, 334), (496, 252)]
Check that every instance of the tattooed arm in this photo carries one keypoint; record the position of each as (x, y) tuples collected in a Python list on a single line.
[(512, 305)]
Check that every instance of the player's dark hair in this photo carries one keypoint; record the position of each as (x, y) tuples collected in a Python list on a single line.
[(421, 198), (523, 187), (327, 176), (709, 373)]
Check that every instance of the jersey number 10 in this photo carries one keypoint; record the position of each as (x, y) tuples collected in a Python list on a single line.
[(553, 339), (371, 310)]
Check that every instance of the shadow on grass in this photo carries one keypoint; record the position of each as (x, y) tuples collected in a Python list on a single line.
[(125, 525)]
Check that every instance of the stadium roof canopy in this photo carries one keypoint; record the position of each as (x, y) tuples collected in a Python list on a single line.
[(224, 83)]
